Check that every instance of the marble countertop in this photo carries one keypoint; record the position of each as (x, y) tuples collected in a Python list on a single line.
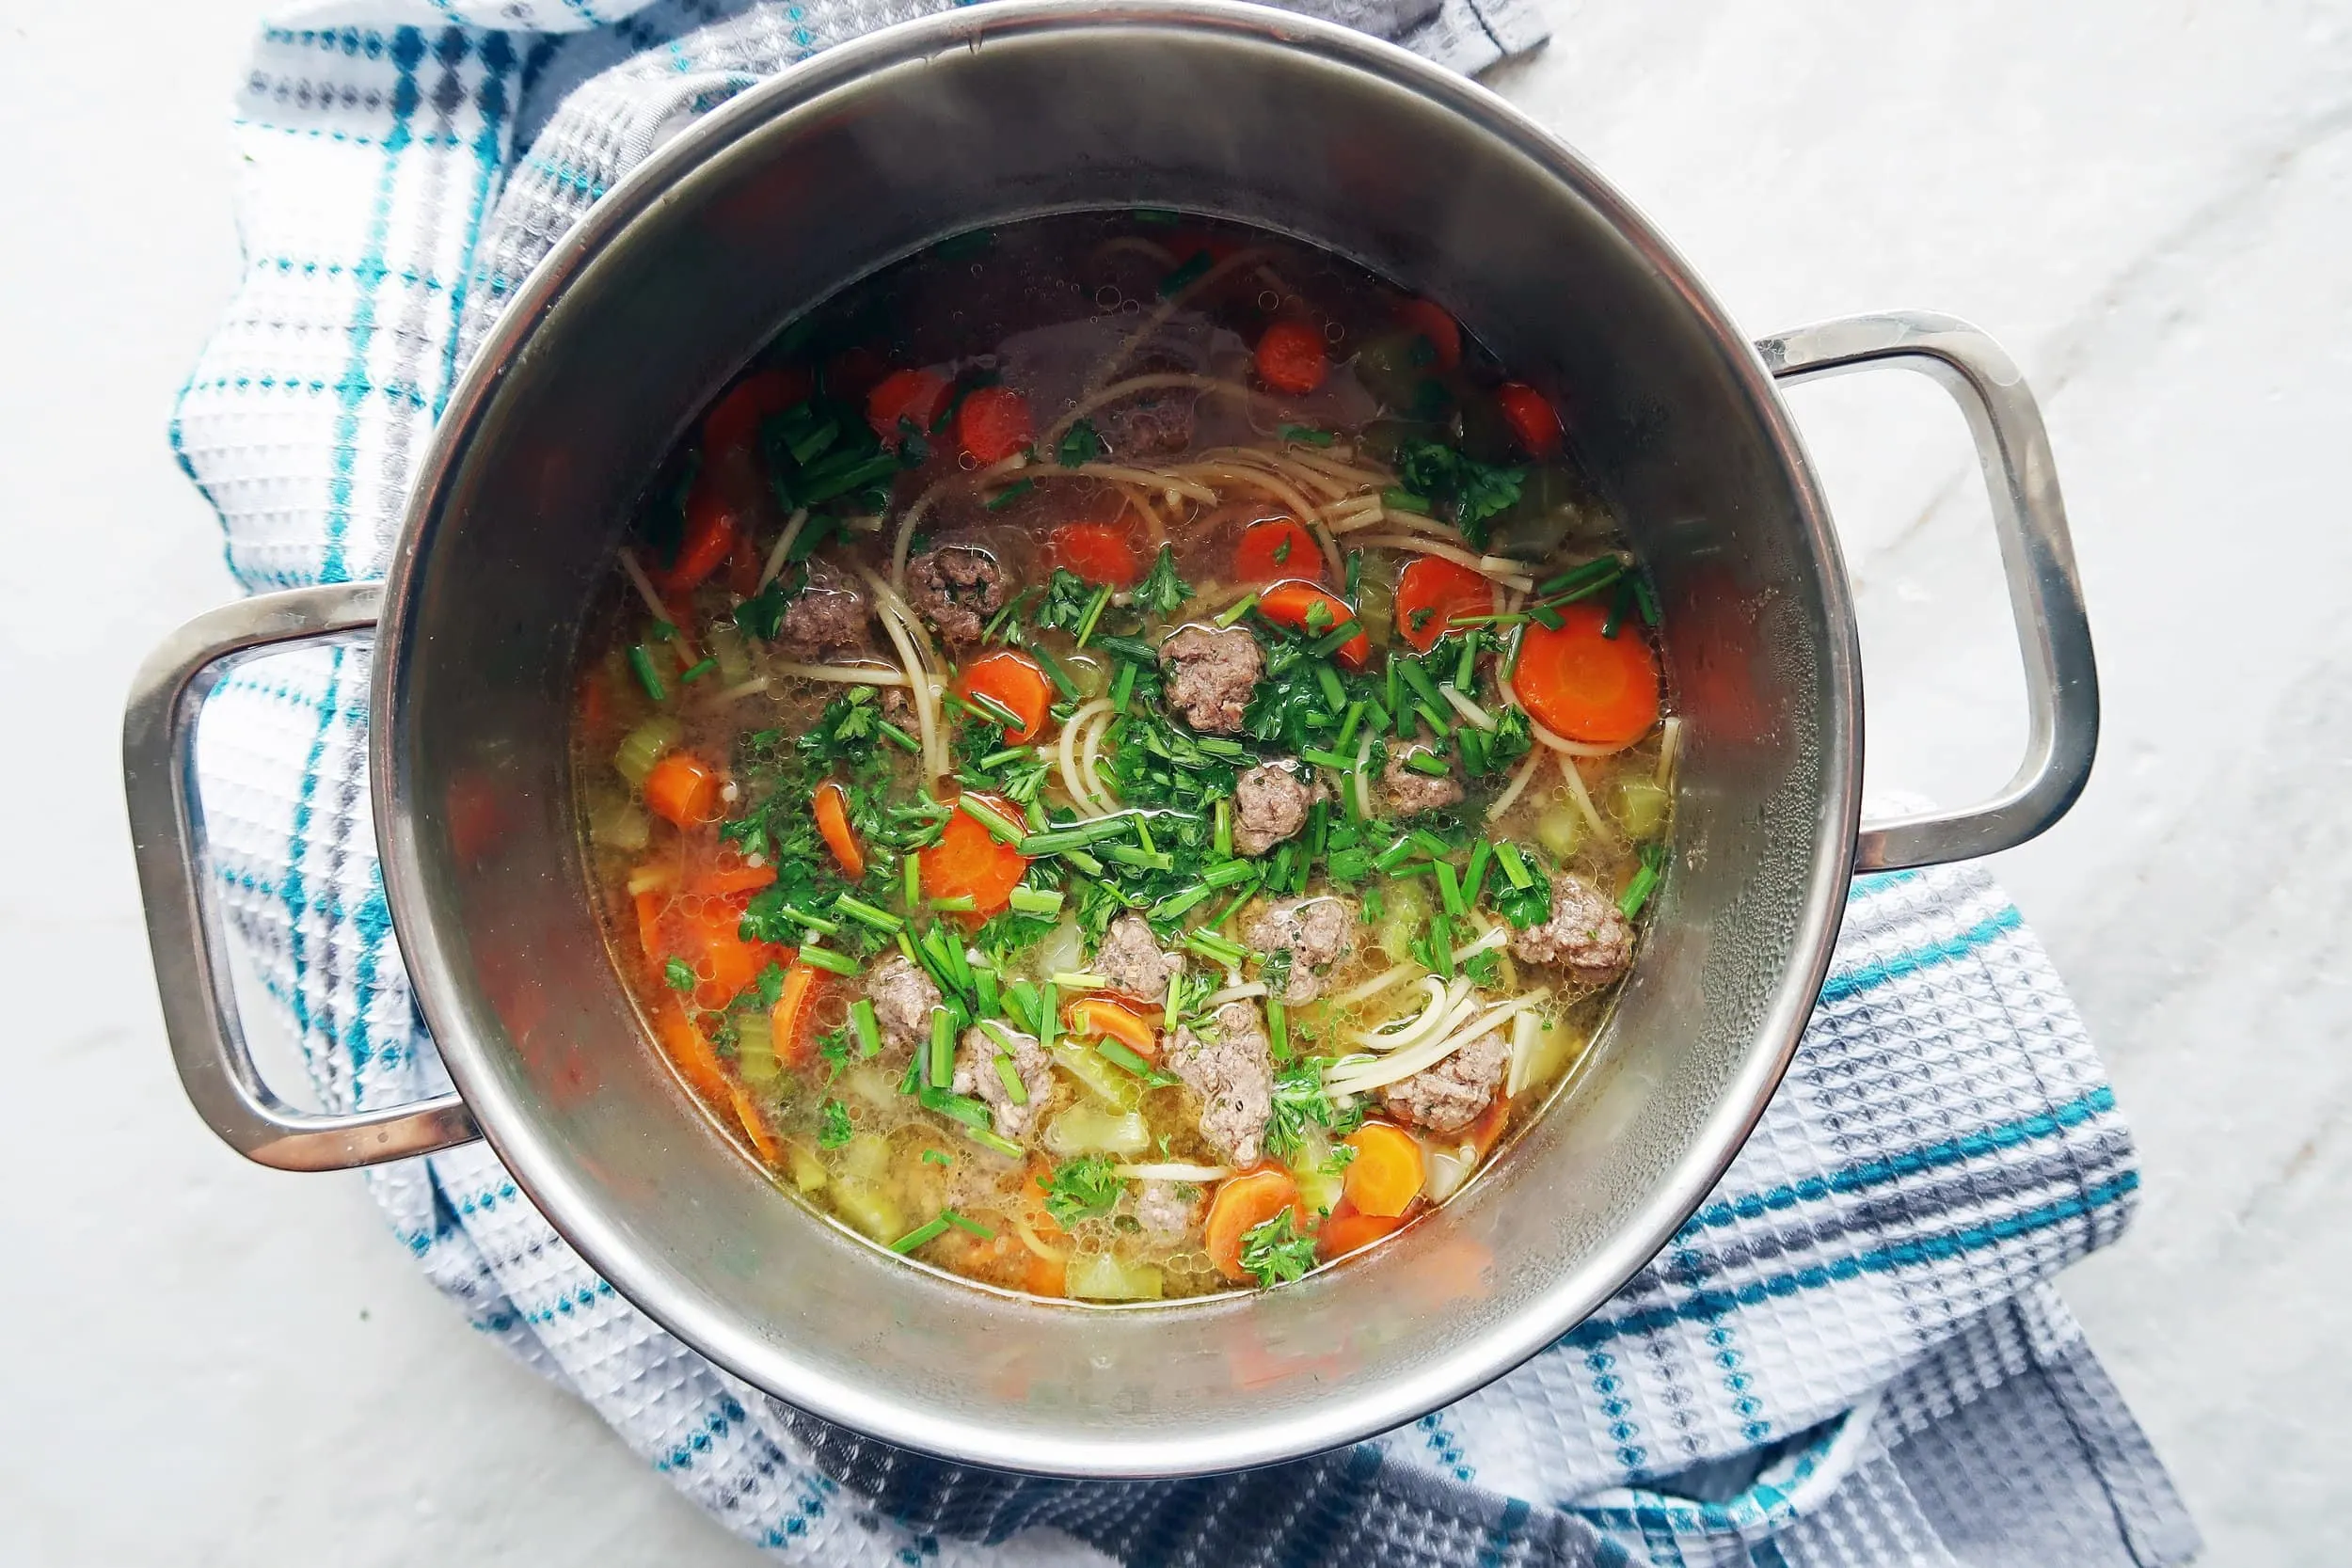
[(2149, 205)]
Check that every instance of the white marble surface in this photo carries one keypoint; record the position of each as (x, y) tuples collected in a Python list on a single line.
[(2150, 203)]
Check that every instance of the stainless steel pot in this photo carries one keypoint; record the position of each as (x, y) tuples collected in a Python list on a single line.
[(823, 175)]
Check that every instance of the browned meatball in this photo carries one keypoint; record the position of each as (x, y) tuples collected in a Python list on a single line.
[(1211, 674), (1130, 959), (1455, 1092), (903, 998), (1269, 805), (1585, 935), (1230, 1065), (956, 587), (1314, 935), (1164, 1210), (977, 1073), (1410, 790), (1152, 425), (822, 619)]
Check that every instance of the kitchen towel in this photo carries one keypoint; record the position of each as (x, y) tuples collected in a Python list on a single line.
[(1850, 1355)]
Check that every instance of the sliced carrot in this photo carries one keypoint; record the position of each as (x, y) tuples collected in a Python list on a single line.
[(1100, 1015), (732, 422), (1428, 320), (993, 423), (1046, 1277), (1290, 357), (915, 396), (709, 932), (1293, 604), (1347, 1230), (683, 789), (787, 1020), (712, 528), (833, 821), (1487, 1130), (1098, 552), (1584, 686), (754, 1124), (1430, 592), (720, 881), (1243, 1203), (1385, 1177), (1274, 549), (689, 1053), (1532, 418), (968, 862), (1014, 679)]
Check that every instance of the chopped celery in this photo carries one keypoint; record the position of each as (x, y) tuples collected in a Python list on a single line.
[(755, 1048), (1559, 830), (867, 1157), (726, 646), (868, 1207), (808, 1172), (1319, 1190), (1108, 1084), (619, 824), (1099, 1277), (1088, 1128), (645, 745), (1641, 806)]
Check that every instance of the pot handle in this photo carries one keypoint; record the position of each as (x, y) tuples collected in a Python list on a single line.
[(183, 925), (2045, 590)]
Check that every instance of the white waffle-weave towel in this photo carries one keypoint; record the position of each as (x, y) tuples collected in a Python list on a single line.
[(1850, 1356)]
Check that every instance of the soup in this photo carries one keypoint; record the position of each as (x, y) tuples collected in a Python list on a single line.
[(1124, 759)]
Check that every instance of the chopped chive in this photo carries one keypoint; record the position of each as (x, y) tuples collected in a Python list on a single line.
[(904, 740), (1094, 613), (1405, 501), (1143, 834), (961, 904), (866, 1026), (814, 923), (1009, 1076), (1481, 856), (939, 1067), (1646, 880), (1124, 1056), (1334, 694), (1329, 759), (1217, 949), (1043, 903), (1547, 617), (997, 759), (1082, 862), (938, 1157), (991, 1001), (1435, 719), (1465, 668), (1055, 672), (1395, 854), (640, 660), (1431, 844), (922, 1235), (1354, 716), (1235, 611), (819, 957), (1441, 944), (1332, 642), (664, 631), (1308, 436), (1142, 860), (912, 881), (1221, 837), (1176, 282), (1644, 599), (1217, 922), (1513, 868), (1227, 874), (1618, 608), (698, 672), (1473, 741), (1011, 493), (1123, 686), (1349, 866), (988, 1138), (1392, 691), (1177, 905), (1378, 715), (1450, 889), (975, 1227), (990, 709), (866, 914), (1514, 619), (1278, 1026), (1592, 574), (1048, 1013), (1000, 828), (1418, 678)]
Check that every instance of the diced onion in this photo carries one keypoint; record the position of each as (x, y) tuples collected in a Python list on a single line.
[(1445, 1169), (1099, 1277)]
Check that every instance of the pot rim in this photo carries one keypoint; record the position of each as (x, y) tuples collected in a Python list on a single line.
[(573, 1209)]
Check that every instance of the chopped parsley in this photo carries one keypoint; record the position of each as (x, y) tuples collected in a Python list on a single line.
[(679, 974), (1300, 1100), (1472, 493), (1274, 1253), (1081, 1189), (1162, 592), (1080, 446), (832, 1125)]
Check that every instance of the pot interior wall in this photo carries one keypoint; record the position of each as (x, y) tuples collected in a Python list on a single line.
[(817, 180)]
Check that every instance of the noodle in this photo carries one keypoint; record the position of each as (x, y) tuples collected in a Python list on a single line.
[(1079, 794), (653, 601), (1157, 381), (1509, 798), (931, 493), (1490, 566), (1167, 309), (849, 674), (1356, 1078), (1583, 797), (784, 546)]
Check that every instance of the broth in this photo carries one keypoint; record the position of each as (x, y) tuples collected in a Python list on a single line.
[(1124, 759)]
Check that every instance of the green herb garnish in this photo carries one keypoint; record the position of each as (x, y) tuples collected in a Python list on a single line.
[(1081, 1189), (1274, 1253)]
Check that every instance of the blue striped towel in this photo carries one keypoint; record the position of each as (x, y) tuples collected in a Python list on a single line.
[(1850, 1355)]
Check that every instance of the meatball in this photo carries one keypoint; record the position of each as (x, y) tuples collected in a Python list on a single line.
[(1164, 1211), (1211, 674), (1410, 790), (1230, 1066), (977, 1073), (1585, 935), (956, 587), (1455, 1092), (903, 998), (1269, 805), (1130, 959), (821, 619), (1312, 932), (1152, 425)]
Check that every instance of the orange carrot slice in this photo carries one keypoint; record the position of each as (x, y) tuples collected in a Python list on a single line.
[(1428, 320), (993, 423), (1242, 1204), (1293, 604), (831, 811), (1274, 550), (1584, 686), (1015, 680), (1531, 417), (969, 863), (1098, 552), (1100, 1015), (1290, 357), (683, 789), (1430, 592), (1385, 1177)]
